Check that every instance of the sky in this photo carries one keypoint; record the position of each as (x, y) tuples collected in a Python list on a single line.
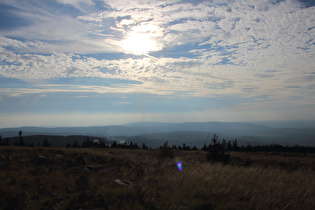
[(106, 62)]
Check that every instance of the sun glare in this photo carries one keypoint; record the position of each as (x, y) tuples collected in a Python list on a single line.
[(140, 41)]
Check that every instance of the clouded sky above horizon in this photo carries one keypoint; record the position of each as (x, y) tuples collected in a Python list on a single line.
[(101, 62)]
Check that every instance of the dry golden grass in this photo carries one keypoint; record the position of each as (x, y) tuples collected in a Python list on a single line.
[(151, 182)]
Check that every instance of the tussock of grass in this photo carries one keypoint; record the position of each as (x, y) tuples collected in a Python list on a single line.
[(156, 183)]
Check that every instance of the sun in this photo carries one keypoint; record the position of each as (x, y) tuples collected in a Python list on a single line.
[(140, 41)]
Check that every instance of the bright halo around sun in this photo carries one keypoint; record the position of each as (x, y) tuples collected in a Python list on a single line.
[(140, 41)]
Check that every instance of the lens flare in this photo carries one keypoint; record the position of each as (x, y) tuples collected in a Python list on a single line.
[(179, 165)]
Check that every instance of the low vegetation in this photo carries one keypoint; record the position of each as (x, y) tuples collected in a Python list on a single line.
[(116, 178)]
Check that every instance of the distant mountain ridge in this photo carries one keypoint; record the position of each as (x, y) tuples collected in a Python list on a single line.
[(192, 132)]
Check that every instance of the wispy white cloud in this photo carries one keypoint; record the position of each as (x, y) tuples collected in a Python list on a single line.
[(59, 32), (78, 4)]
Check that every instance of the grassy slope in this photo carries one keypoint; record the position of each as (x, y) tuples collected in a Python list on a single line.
[(33, 178)]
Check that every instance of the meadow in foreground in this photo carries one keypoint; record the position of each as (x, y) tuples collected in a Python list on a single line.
[(94, 178)]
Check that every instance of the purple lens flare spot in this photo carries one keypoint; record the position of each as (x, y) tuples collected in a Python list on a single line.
[(179, 165)]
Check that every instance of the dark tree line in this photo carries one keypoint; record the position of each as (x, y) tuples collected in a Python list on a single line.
[(215, 146), (276, 148), (125, 145), (233, 146), (103, 144), (4, 142), (89, 143), (229, 146)]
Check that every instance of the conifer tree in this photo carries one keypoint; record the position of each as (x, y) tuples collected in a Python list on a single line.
[(166, 151), (144, 146), (21, 142), (46, 143)]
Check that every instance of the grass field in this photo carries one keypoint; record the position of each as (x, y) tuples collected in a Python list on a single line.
[(66, 178)]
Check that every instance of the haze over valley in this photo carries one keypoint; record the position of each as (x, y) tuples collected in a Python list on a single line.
[(155, 134)]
